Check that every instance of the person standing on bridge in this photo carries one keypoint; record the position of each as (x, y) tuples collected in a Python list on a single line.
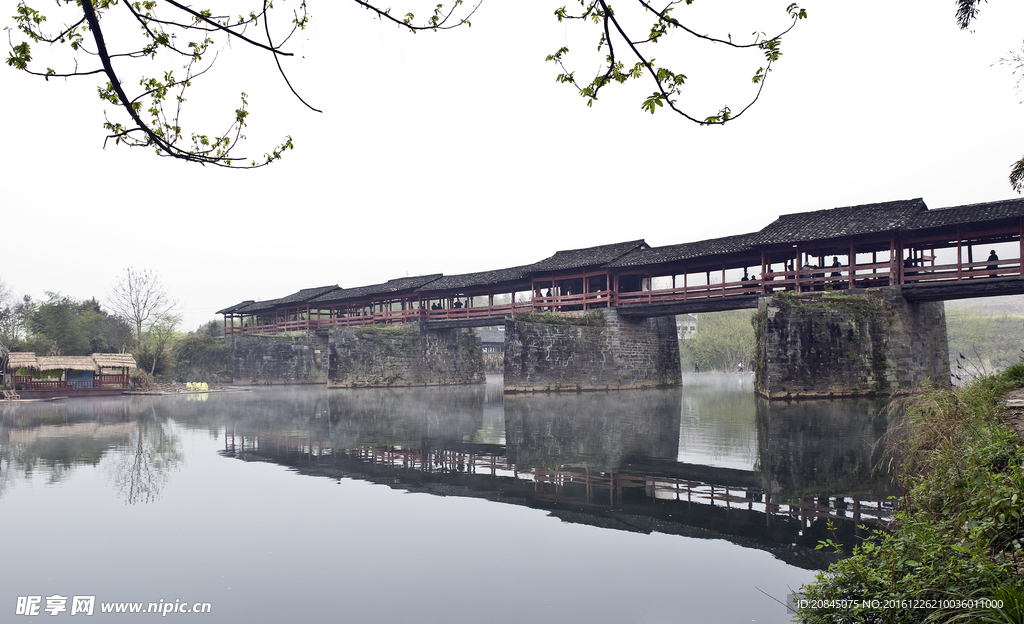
[(836, 285), (992, 257)]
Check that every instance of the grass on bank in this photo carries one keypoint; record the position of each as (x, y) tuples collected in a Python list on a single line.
[(959, 533)]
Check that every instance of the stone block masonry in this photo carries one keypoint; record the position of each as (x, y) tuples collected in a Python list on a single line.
[(862, 342), (404, 355), (613, 353), (299, 358), (365, 356)]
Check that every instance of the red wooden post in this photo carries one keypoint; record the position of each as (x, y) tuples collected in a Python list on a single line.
[(959, 254), (895, 261), (797, 270), (764, 271), (852, 265)]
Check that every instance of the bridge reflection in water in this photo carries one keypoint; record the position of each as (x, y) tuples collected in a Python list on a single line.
[(610, 460)]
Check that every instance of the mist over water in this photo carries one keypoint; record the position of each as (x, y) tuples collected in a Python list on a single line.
[(451, 504)]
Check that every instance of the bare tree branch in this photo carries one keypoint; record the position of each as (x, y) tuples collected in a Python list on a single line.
[(139, 296), (154, 109)]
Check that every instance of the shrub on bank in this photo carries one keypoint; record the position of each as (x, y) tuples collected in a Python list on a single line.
[(202, 357), (958, 540)]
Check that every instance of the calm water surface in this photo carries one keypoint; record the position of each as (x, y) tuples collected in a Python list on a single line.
[(432, 504)]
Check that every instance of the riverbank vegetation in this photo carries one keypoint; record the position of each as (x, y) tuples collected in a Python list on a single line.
[(958, 539), (722, 340), (63, 325), (984, 334)]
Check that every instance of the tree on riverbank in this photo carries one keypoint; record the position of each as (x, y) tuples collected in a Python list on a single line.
[(139, 296), (11, 321), (722, 340), (204, 355), (63, 325), (984, 335)]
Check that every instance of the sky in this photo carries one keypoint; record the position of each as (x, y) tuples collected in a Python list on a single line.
[(458, 151)]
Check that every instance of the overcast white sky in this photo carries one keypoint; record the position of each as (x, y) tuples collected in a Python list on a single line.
[(458, 152)]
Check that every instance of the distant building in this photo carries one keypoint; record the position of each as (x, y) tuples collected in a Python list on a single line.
[(492, 339), (686, 326)]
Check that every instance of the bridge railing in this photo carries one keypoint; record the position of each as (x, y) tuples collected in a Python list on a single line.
[(963, 271), (378, 317), (696, 291), (835, 278), (872, 274), (105, 380), (569, 303), (290, 325), (457, 314)]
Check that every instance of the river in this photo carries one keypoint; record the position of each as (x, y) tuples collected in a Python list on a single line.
[(455, 504)]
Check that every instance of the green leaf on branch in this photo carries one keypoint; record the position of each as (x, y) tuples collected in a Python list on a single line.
[(653, 102)]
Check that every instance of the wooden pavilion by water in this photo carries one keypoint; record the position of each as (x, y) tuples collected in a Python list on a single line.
[(70, 375)]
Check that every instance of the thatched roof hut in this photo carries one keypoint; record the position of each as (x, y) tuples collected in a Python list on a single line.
[(22, 359), (67, 362), (114, 360)]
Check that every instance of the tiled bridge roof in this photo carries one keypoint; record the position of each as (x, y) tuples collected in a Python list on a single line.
[(910, 216)]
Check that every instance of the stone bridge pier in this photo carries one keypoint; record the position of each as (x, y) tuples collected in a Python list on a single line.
[(859, 342), (361, 356), (597, 350)]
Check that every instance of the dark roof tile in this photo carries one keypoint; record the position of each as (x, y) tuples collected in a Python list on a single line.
[(587, 257), (496, 277), (302, 296), (236, 307), (491, 335), (399, 285), (686, 251), (807, 227), (972, 213)]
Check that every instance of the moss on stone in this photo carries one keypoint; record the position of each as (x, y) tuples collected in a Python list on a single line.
[(590, 319)]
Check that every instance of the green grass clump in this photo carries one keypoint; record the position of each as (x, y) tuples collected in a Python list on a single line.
[(391, 330), (590, 319), (959, 534)]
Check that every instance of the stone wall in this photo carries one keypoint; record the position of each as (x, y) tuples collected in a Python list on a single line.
[(616, 353), (403, 355), (861, 342), (280, 359)]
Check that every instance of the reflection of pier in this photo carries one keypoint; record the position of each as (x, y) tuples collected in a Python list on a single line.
[(663, 496)]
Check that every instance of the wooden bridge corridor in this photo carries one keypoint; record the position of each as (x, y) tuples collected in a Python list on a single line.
[(948, 253)]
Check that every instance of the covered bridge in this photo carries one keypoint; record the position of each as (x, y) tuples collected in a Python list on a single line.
[(931, 253)]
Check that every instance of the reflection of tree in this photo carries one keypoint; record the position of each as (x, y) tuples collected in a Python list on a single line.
[(6, 460), (141, 468), (55, 450)]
